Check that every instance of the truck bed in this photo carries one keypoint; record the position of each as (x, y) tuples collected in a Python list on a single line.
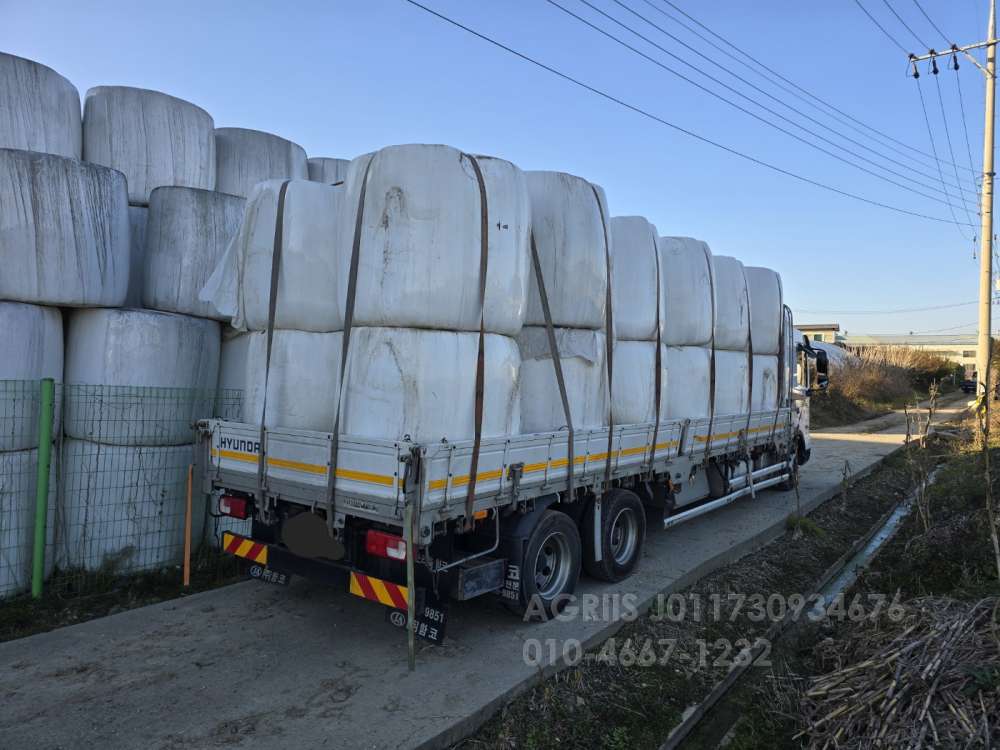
[(370, 473)]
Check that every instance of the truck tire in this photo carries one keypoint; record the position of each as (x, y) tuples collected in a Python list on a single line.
[(624, 530), (551, 567)]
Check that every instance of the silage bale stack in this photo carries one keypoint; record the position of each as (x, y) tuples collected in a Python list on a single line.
[(569, 219), (637, 288), (137, 380), (732, 337), (245, 157), (689, 314), (766, 317), (412, 352)]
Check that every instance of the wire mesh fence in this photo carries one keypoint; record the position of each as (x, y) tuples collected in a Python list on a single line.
[(117, 500)]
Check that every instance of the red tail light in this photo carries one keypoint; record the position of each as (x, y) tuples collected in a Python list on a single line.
[(382, 544), (236, 507)]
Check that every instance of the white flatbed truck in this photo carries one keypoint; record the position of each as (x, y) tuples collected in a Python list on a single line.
[(401, 532)]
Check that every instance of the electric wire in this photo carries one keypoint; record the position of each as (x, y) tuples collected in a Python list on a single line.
[(929, 20), (743, 54), (930, 136), (673, 126), (947, 134), (743, 109), (882, 28), (906, 25), (965, 127), (891, 311), (665, 32)]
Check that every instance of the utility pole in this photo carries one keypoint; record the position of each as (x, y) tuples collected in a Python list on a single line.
[(986, 197)]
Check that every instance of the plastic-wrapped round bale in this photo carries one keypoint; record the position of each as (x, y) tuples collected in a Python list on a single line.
[(64, 232), (686, 266), (583, 357), (732, 311), (765, 383), (187, 235), (139, 377), (766, 306), (39, 109), (324, 169), (634, 278), (138, 217), (400, 382), (689, 383), (633, 390), (153, 138), (31, 343), (568, 222), (732, 386), (123, 506), (421, 239), (239, 289), (245, 157), (18, 481)]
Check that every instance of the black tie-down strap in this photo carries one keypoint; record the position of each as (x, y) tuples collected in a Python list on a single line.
[(352, 291), (711, 362), (272, 304), (746, 431), (557, 364), (609, 326), (484, 254), (658, 361)]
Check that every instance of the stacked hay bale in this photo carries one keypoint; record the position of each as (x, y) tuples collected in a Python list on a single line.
[(245, 157), (732, 337), (412, 352), (569, 223), (689, 314), (330, 171), (639, 351), (766, 316), (65, 242)]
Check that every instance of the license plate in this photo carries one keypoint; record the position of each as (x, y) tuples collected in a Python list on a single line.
[(267, 575)]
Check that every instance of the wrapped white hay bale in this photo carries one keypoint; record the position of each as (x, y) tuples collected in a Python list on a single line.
[(329, 171), (230, 396), (153, 138), (187, 235), (138, 216), (31, 348), (686, 266), (245, 157), (635, 276), (139, 377), (566, 219), (732, 310), (689, 383), (732, 384), (240, 287), (39, 109), (18, 484), (123, 507), (400, 382), (765, 383), (633, 390), (65, 231), (583, 357), (421, 239), (766, 305)]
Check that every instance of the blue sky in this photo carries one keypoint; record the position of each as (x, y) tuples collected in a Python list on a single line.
[(342, 78)]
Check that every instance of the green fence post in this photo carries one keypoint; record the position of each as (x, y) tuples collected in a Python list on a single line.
[(42, 487)]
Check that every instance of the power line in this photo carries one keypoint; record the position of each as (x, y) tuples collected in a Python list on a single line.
[(741, 108), (957, 185), (905, 25), (929, 20), (893, 311), (930, 136), (743, 54), (882, 28), (667, 123), (965, 127), (947, 135)]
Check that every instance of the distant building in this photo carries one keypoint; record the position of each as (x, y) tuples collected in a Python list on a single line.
[(957, 348), (828, 333)]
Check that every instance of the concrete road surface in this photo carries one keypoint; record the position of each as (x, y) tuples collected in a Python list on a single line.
[(255, 666)]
